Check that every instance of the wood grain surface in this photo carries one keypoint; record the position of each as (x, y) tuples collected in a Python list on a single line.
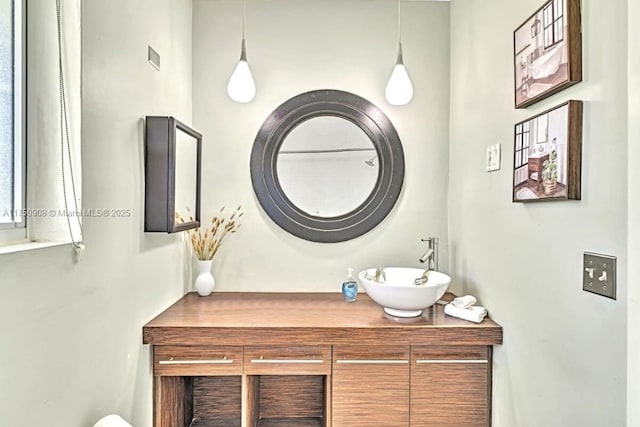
[(291, 396), (291, 422), (328, 401), (287, 360), (574, 40), (574, 140), (245, 318), (370, 393), (450, 389), (216, 422), (197, 360), (448, 352), (251, 404), (373, 392), (375, 370), (173, 405), (217, 397)]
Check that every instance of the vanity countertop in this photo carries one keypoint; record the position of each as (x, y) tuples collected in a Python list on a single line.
[(238, 318)]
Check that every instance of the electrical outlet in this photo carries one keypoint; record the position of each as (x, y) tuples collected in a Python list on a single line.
[(493, 158), (599, 274)]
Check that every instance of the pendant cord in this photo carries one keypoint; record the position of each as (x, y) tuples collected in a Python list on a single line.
[(65, 144), (399, 23), (399, 59), (243, 50)]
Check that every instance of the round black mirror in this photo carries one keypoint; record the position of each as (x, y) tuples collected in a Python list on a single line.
[(327, 166)]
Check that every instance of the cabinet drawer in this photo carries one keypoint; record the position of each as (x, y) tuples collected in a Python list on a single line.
[(197, 361), (449, 354), (370, 355), (297, 360)]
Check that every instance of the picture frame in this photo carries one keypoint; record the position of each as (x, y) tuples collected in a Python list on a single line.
[(551, 170), (547, 52)]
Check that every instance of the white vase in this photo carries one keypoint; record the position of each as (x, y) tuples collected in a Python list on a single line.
[(205, 281)]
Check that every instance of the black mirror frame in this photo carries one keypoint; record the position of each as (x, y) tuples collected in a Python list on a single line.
[(160, 156), (368, 117)]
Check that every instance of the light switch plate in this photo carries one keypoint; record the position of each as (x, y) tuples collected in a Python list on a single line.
[(493, 158), (153, 57), (599, 274)]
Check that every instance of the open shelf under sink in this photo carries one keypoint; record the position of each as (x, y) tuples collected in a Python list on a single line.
[(217, 422), (291, 422)]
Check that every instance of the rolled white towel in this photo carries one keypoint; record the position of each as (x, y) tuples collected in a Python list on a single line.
[(112, 421), (473, 314), (464, 302)]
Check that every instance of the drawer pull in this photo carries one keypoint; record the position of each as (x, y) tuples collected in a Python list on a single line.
[(172, 361), (370, 362), (435, 361), (287, 361)]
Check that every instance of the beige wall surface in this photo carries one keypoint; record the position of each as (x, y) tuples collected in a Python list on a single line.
[(294, 47), (633, 342), (72, 333), (71, 340), (563, 362)]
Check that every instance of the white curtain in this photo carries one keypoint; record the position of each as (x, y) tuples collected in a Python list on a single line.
[(45, 193)]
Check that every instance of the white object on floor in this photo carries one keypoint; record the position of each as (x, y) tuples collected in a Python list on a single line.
[(473, 314), (112, 421), (464, 302)]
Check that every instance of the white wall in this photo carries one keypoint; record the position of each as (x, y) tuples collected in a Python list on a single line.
[(563, 362), (72, 334), (304, 45), (633, 318)]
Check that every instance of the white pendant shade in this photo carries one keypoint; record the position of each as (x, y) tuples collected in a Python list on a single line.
[(241, 87), (399, 89)]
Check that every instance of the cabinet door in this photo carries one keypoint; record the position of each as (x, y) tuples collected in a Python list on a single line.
[(370, 386), (450, 386)]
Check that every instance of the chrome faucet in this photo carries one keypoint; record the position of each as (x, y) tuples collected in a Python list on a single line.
[(431, 256)]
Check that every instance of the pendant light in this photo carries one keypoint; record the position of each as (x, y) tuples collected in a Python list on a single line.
[(241, 86), (399, 88)]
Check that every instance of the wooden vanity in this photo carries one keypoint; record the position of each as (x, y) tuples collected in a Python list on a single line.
[(302, 360)]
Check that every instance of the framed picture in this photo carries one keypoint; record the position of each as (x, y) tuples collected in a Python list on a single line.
[(547, 52), (548, 168)]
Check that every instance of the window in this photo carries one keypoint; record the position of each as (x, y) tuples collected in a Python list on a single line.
[(12, 141), (523, 134), (553, 15)]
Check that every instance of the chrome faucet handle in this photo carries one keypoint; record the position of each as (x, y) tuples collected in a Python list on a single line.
[(433, 256), (430, 240)]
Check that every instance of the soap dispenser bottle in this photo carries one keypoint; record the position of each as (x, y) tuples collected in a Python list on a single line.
[(350, 287)]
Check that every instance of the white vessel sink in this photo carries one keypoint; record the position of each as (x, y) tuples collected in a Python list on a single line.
[(398, 293)]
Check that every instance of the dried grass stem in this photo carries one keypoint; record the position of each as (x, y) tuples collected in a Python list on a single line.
[(206, 245)]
